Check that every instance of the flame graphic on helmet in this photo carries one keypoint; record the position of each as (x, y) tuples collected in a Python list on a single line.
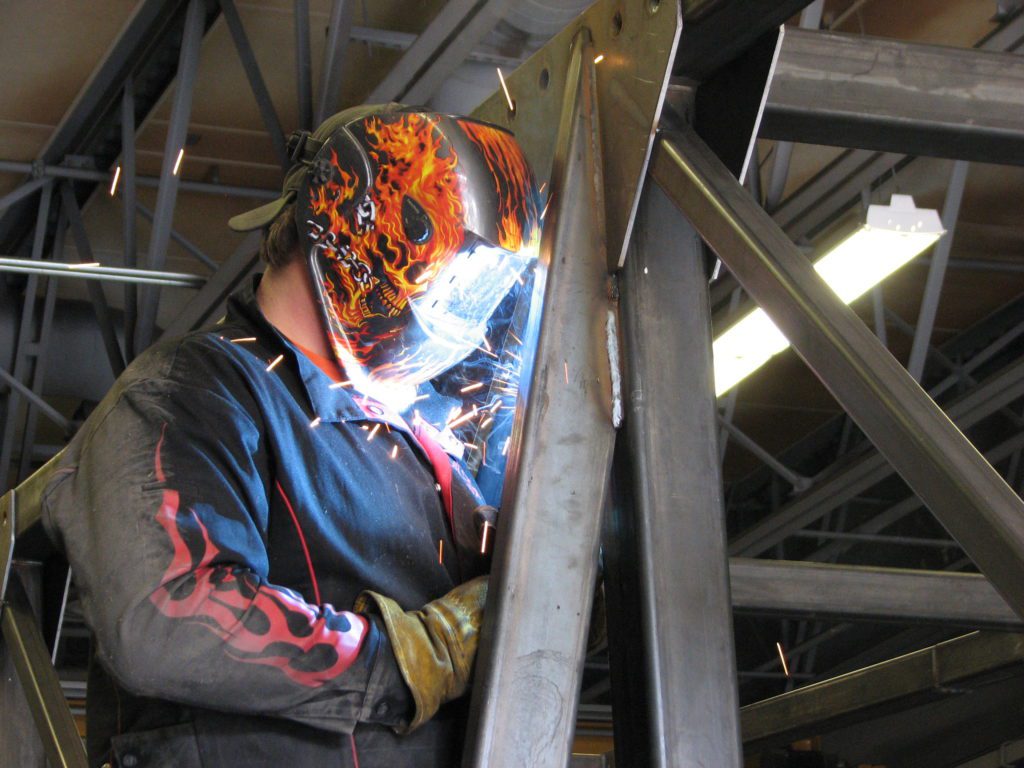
[(374, 267), (518, 218)]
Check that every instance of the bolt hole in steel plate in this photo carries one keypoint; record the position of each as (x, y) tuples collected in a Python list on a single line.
[(632, 79)]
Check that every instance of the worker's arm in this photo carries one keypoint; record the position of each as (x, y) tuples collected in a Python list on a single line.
[(161, 521)]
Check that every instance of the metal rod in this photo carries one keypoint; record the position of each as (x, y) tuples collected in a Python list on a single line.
[(799, 482), (259, 88), (937, 271), (128, 203), (220, 284), (303, 64), (180, 239), (339, 31), (677, 490), (51, 413), (854, 477), (174, 147), (530, 664), (111, 274), (910, 541), (96, 295), (963, 490), (81, 174), (896, 512)]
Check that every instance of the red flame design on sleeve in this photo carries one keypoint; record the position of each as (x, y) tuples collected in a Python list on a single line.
[(257, 622)]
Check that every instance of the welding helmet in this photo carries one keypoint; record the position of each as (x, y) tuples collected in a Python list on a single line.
[(416, 225)]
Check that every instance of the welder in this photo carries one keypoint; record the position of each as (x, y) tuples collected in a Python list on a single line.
[(270, 522)]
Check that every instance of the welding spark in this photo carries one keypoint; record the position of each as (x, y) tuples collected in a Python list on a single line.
[(113, 184), (340, 384), (487, 422), (461, 420), (516, 338), (84, 265), (373, 432), (177, 163), (487, 352), (566, 364), (245, 338), (420, 398), (314, 423), (782, 658), (542, 186), (394, 452), (440, 551), (471, 387), (599, 58), (545, 211), (273, 364), (483, 538), (504, 448), (504, 87)]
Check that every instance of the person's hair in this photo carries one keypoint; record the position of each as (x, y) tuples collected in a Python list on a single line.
[(280, 239)]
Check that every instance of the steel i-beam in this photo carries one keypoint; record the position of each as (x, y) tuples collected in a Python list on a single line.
[(962, 489), (532, 644), (677, 494), (174, 147)]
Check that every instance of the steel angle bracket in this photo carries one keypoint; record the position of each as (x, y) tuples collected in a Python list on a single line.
[(635, 41)]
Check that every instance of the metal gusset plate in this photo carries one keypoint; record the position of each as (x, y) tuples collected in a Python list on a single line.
[(637, 40)]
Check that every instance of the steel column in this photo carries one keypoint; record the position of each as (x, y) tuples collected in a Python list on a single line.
[(128, 203), (692, 698), (303, 64), (530, 663), (96, 295), (937, 270), (259, 87), (167, 193), (339, 31), (963, 490)]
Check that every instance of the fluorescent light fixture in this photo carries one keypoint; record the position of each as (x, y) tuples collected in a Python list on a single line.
[(893, 235)]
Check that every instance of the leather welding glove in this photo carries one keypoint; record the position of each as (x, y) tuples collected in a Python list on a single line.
[(435, 646)]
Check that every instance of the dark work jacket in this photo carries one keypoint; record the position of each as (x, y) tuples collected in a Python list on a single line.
[(221, 513)]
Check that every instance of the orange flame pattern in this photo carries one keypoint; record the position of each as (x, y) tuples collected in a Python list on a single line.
[(517, 201), (376, 268)]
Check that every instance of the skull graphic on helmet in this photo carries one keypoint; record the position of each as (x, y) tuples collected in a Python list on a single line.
[(416, 226)]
